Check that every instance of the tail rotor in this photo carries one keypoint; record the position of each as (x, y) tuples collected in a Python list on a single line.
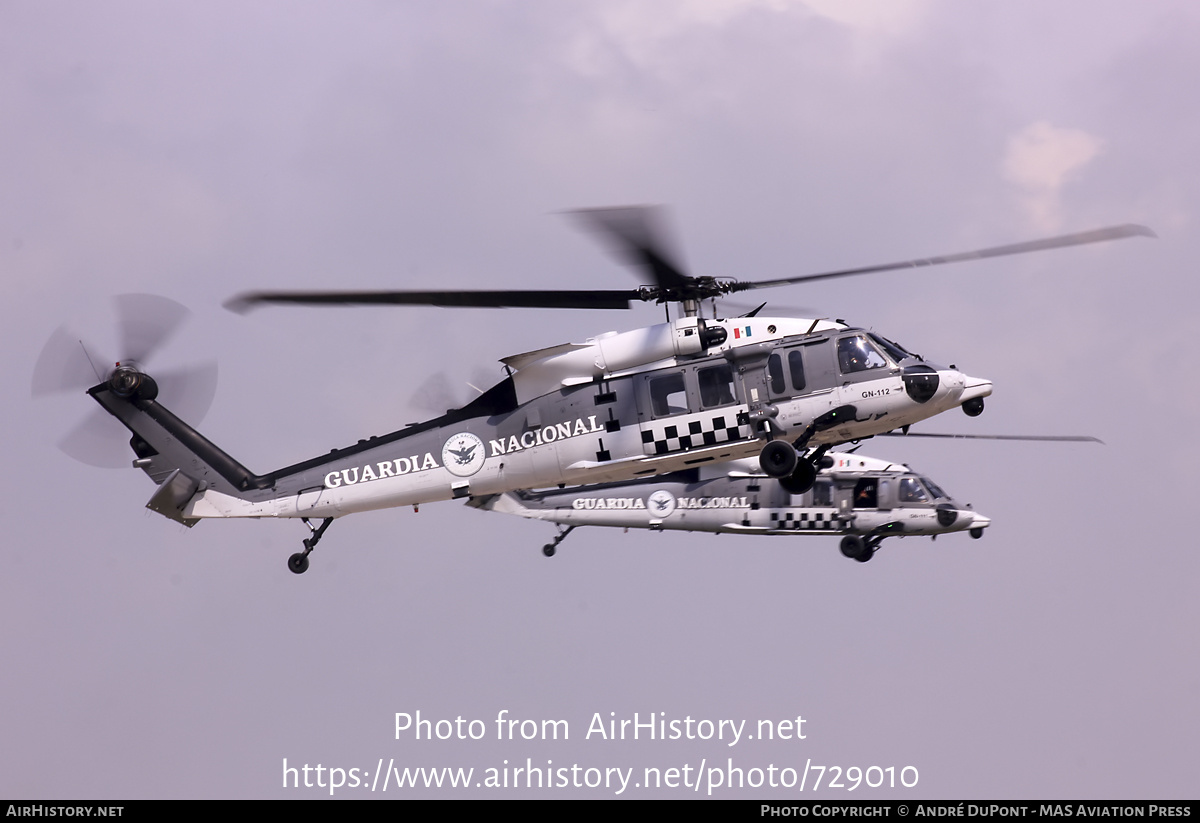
[(144, 324)]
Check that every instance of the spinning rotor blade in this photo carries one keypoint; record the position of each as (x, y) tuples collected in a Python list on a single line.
[(638, 236), (511, 299), (635, 234), (1044, 438), (64, 365), (435, 395), (99, 441), (145, 321), (188, 391), (1062, 241), (438, 394)]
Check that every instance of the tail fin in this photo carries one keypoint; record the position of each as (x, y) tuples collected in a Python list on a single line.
[(173, 454)]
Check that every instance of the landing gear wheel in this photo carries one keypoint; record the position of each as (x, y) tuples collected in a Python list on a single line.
[(870, 546), (778, 458), (298, 562), (550, 548), (855, 548), (800, 480)]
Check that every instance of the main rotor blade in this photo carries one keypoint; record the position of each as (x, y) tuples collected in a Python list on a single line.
[(1047, 438), (638, 236), (1062, 241), (514, 299)]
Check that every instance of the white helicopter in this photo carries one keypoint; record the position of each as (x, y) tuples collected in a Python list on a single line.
[(863, 498), (616, 407)]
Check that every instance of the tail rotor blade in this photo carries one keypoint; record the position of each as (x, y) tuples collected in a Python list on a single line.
[(188, 391), (145, 322), (64, 365), (100, 441)]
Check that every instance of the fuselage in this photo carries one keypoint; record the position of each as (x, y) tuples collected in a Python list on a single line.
[(855, 495), (617, 407)]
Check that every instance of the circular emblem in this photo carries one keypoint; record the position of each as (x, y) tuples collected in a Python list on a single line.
[(661, 503), (463, 454)]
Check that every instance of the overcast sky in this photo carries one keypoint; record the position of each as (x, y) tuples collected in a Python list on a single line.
[(195, 150)]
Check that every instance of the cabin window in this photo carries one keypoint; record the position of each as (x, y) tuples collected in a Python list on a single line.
[(857, 354), (796, 369), (775, 374), (866, 493), (716, 386), (668, 395), (822, 493)]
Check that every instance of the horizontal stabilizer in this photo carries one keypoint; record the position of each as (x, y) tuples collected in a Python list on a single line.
[(172, 495)]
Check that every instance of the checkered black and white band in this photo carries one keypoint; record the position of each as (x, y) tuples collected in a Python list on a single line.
[(805, 521), (664, 437)]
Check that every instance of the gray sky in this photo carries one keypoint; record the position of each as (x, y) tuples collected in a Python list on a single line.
[(197, 150)]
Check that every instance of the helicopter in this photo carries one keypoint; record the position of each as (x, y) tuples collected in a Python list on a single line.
[(617, 407), (863, 498)]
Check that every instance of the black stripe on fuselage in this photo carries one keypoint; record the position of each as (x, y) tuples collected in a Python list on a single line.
[(500, 399)]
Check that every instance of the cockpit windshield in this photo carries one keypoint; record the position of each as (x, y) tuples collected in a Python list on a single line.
[(894, 350), (912, 492), (857, 353), (935, 489)]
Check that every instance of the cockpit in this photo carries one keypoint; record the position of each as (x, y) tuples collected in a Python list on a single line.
[(858, 353), (863, 352)]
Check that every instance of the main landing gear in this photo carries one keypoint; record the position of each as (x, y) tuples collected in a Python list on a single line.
[(859, 548), (550, 548), (796, 473), (298, 562)]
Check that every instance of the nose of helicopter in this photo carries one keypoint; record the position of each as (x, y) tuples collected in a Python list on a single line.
[(973, 391), (967, 391), (977, 523), (974, 387)]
